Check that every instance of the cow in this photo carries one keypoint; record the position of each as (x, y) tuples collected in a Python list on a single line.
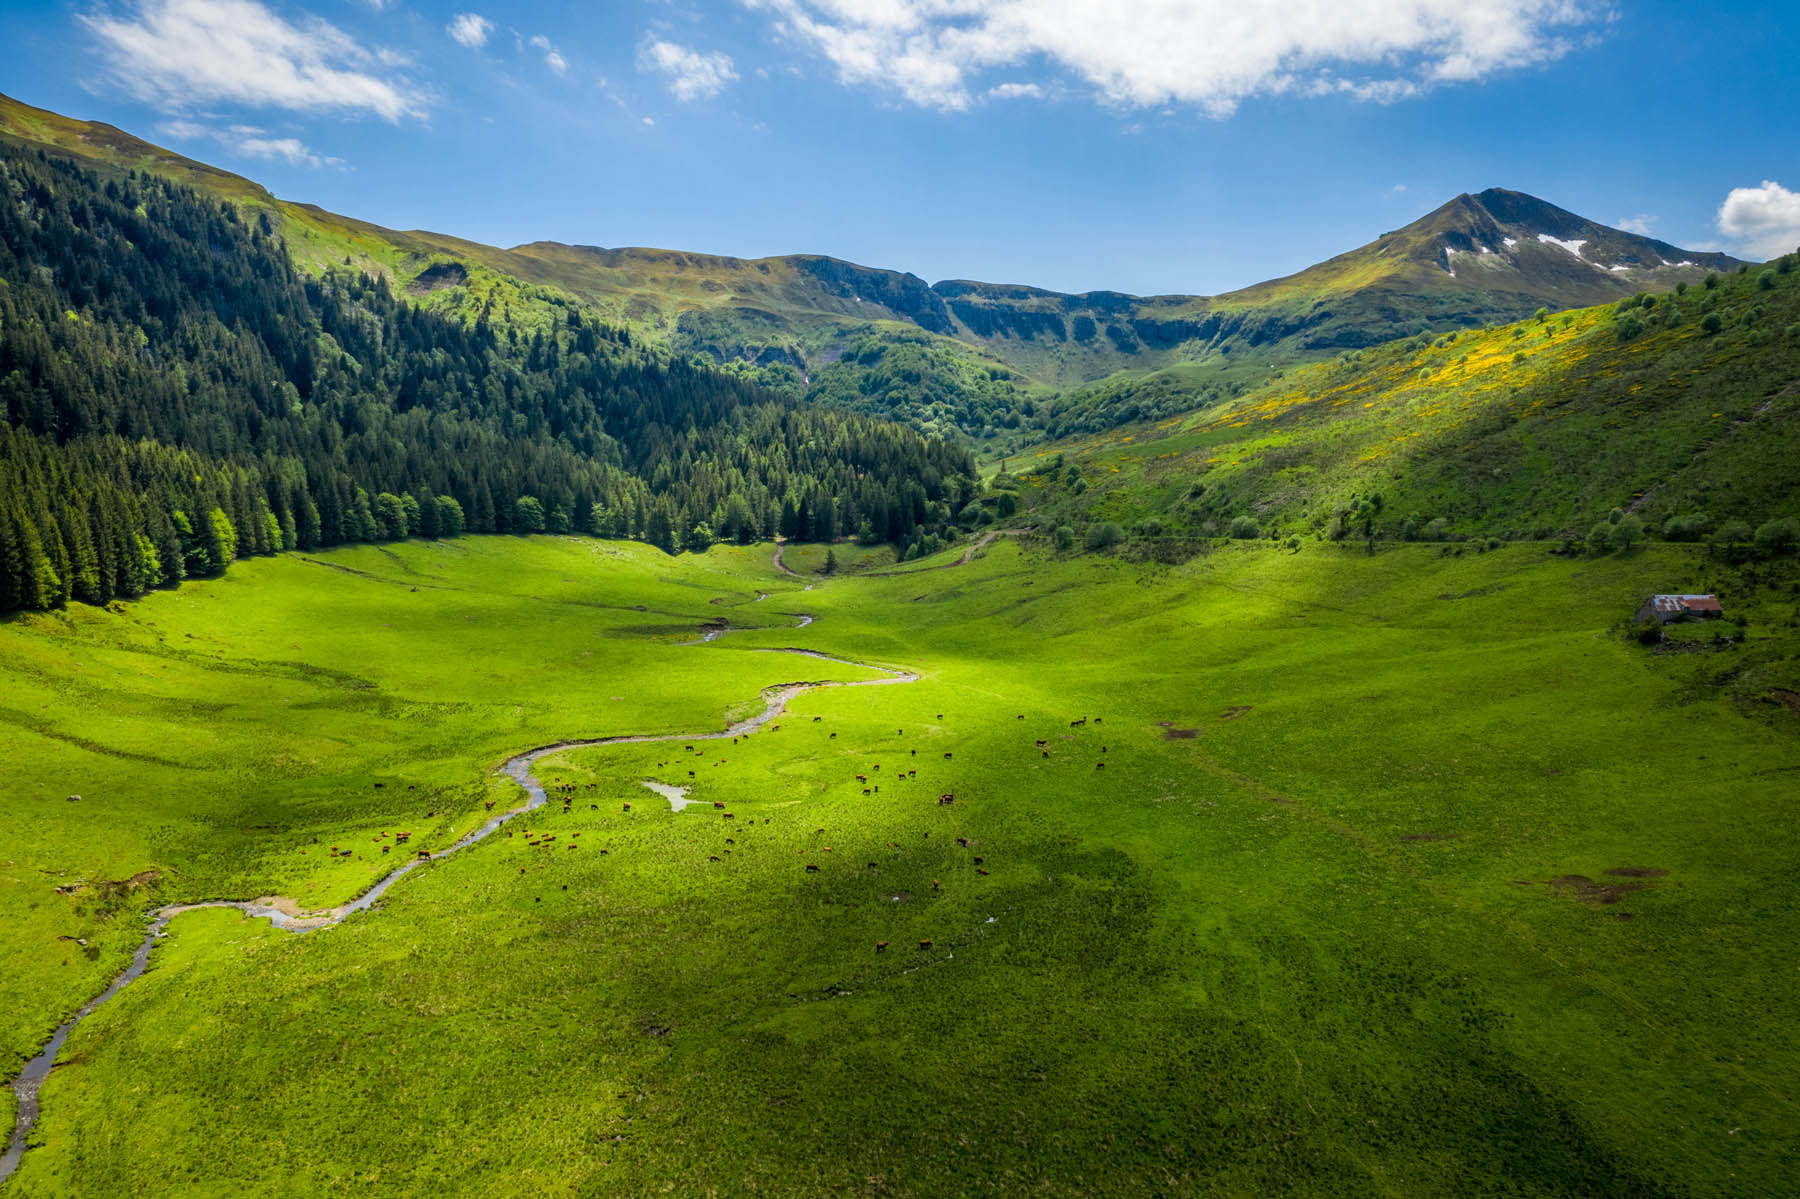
[(628, 807), (880, 946), (817, 719), (924, 942), (718, 803), (712, 857), (946, 753), (1099, 765), (834, 736), (811, 869), (730, 815), (963, 841), (979, 870)]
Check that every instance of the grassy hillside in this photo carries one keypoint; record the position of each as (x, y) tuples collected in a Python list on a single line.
[(789, 321), (1388, 884), (1677, 406)]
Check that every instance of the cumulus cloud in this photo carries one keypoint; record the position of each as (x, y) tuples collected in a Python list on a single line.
[(1640, 224), (250, 142), (1213, 54), (470, 29), (552, 59), (1016, 91), (180, 53), (691, 74), (1764, 221)]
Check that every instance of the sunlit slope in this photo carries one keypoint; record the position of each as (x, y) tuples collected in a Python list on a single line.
[(1682, 404), (1498, 255)]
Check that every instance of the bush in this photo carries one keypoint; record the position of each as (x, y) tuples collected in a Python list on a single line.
[(1711, 281), (1647, 632), (1243, 528), (1600, 537), (1691, 526), (1626, 532), (1629, 328), (1711, 323), (1065, 537), (1766, 281), (1778, 536), (1103, 536), (1733, 532)]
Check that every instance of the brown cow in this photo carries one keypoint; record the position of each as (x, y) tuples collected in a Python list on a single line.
[(880, 945), (963, 841), (924, 942), (811, 869)]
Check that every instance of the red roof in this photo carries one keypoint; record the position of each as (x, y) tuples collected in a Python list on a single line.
[(1700, 603)]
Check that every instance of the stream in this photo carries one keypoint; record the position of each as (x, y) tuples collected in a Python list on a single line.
[(518, 768)]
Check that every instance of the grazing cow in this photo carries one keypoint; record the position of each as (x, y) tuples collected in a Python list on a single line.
[(718, 803), (978, 861), (924, 942), (490, 805), (940, 715), (1099, 765), (728, 840), (1046, 753), (1041, 743), (690, 774), (424, 853), (963, 841), (537, 899), (1021, 716), (862, 778), (572, 845), (834, 736), (817, 719), (1075, 724), (912, 774), (384, 848), (936, 886), (712, 857), (811, 869), (865, 790), (946, 753), (628, 807), (730, 815), (979, 870), (871, 865), (1098, 720), (880, 946)]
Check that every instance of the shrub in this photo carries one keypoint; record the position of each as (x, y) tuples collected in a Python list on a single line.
[(1778, 536), (1150, 527), (1065, 537), (1766, 281), (1629, 328), (1627, 532), (1681, 288), (1711, 323), (1733, 532), (1103, 536), (1243, 528), (1600, 536), (1690, 526), (1647, 632), (1711, 281)]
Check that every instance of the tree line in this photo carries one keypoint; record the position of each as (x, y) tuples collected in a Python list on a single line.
[(177, 394)]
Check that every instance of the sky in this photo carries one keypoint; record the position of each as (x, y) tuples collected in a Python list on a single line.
[(1145, 146)]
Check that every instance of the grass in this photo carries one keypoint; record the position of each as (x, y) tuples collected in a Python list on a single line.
[(1217, 965)]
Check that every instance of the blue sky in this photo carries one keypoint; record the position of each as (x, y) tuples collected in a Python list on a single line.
[(1135, 145)]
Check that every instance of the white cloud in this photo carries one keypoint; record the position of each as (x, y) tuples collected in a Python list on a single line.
[(692, 75), (470, 29), (1640, 224), (1764, 221), (552, 59), (1016, 91), (249, 141), (1212, 54), (179, 53)]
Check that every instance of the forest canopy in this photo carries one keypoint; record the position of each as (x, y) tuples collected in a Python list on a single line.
[(176, 394)]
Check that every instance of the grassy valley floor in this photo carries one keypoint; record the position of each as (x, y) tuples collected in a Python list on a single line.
[(1334, 874)]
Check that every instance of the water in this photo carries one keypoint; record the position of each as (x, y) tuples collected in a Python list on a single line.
[(518, 768)]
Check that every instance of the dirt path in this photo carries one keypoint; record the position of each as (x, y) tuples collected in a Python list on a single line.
[(783, 567), (285, 914)]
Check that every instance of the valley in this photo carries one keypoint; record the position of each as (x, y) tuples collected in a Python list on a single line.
[(1335, 823)]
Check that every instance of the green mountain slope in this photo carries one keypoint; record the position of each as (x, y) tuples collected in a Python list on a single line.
[(790, 321), (174, 395), (1679, 406)]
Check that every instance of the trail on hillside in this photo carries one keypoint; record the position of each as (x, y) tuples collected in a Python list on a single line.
[(287, 915), (783, 567), (968, 555)]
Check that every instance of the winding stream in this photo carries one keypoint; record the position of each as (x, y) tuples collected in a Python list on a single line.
[(285, 915)]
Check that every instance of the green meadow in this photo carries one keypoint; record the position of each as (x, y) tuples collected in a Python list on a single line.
[(1403, 872)]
